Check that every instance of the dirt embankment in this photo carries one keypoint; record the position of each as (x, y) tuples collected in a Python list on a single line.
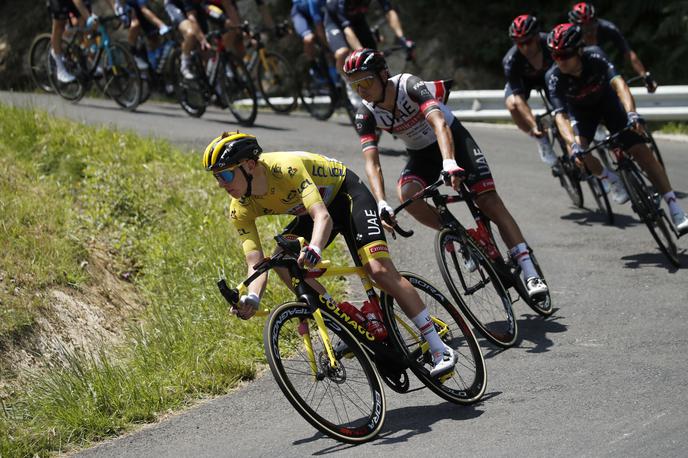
[(88, 319)]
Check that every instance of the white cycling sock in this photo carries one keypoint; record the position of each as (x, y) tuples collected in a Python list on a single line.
[(672, 203), (427, 329), (58, 59), (522, 256)]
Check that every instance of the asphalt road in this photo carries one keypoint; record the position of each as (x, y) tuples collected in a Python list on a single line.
[(605, 376)]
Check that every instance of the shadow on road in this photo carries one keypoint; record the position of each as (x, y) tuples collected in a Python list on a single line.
[(405, 422), (591, 217), (534, 329), (654, 259)]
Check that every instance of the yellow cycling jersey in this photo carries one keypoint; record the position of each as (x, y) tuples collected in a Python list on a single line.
[(297, 180)]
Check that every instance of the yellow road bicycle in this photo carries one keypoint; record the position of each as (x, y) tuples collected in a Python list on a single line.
[(331, 368)]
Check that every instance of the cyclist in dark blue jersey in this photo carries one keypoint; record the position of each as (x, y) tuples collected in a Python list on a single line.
[(143, 20), (585, 89), (600, 32), (525, 65), (350, 16)]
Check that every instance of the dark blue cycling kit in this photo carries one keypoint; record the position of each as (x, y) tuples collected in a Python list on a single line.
[(521, 76), (351, 13), (589, 98), (608, 33)]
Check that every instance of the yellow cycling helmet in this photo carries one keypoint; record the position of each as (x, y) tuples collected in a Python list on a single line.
[(229, 149)]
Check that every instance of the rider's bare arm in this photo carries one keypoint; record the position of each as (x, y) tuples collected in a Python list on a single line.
[(621, 89), (442, 132), (351, 38), (373, 170), (394, 23), (322, 224), (565, 129), (258, 285)]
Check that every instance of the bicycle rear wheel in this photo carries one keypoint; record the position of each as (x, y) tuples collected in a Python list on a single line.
[(476, 286), (39, 55), (646, 203), (192, 95), (317, 92), (277, 82), (601, 198), (346, 402), (121, 79), (569, 175), (238, 91), (467, 382)]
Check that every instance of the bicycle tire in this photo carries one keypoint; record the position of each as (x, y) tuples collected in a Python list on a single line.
[(238, 91), (146, 89), (468, 381), (39, 61), (655, 149), (121, 77), (193, 95), (601, 198), (569, 177), (277, 84), (480, 293), (73, 58), (281, 339), (645, 204), (317, 93)]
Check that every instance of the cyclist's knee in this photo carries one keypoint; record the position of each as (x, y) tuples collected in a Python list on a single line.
[(341, 53), (381, 270), (309, 40), (512, 103)]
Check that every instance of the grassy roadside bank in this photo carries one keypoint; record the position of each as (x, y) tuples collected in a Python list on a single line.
[(163, 224)]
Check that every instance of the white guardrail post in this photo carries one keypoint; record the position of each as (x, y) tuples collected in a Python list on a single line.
[(669, 103)]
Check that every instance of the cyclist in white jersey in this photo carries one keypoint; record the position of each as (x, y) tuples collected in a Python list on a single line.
[(412, 110)]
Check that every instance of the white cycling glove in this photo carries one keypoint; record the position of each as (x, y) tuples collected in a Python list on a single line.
[(383, 205)]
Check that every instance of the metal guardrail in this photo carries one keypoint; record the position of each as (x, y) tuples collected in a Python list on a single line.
[(669, 103)]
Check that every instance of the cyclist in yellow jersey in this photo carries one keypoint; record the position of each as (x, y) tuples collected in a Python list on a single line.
[(326, 198)]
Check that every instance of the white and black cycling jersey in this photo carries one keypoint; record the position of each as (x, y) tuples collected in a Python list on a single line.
[(415, 99)]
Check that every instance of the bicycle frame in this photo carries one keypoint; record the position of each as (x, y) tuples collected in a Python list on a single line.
[(384, 352)]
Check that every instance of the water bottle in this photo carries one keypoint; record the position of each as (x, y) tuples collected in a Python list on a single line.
[(374, 323), (483, 239), (351, 310), (153, 57)]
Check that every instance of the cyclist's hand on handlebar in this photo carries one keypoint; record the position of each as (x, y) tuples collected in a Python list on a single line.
[(454, 171), (91, 22), (247, 306), (577, 153), (636, 121), (650, 83), (310, 256), (387, 217), (204, 44), (536, 132)]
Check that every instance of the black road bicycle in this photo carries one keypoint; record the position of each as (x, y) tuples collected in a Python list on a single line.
[(645, 200), (39, 55), (222, 78), (477, 275), (331, 368)]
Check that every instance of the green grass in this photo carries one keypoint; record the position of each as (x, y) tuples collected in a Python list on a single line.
[(675, 128), (163, 222)]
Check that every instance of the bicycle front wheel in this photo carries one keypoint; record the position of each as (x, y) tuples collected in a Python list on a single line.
[(344, 400), (72, 58), (317, 92), (277, 82), (476, 287), (121, 78), (237, 91), (466, 383), (192, 94), (601, 198), (645, 203), (39, 55)]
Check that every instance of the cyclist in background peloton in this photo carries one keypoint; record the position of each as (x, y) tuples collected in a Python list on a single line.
[(525, 65), (585, 88), (281, 183), (350, 17), (144, 20), (435, 140), (60, 11), (599, 32), (313, 25)]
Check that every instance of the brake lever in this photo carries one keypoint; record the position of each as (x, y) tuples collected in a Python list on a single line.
[(385, 216)]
